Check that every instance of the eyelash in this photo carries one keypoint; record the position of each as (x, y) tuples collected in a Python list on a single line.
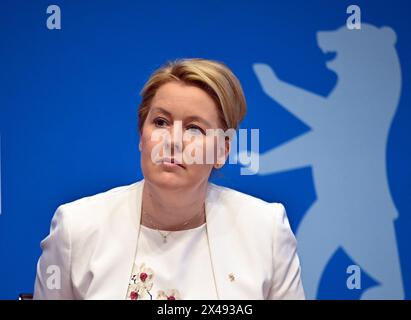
[(192, 126)]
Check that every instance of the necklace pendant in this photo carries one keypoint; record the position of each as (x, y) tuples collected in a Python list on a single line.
[(164, 239)]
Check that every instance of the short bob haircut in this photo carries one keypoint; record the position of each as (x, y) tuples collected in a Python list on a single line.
[(213, 77)]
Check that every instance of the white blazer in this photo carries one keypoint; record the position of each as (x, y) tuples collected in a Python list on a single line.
[(90, 251)]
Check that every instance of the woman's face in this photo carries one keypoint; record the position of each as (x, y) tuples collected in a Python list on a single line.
[(179, 110)]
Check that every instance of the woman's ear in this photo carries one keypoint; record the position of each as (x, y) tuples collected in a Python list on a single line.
[(226, 153), (140, 146)]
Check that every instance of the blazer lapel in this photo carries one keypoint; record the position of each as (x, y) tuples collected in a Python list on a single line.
[(130, 238), (118, 248), (223, 246)]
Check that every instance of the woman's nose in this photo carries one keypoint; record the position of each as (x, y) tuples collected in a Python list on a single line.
[(175, 138)]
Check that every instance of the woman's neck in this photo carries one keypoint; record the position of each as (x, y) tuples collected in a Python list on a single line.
[(173, 210)]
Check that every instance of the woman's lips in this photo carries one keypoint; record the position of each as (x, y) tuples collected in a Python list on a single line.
[(170, 163)]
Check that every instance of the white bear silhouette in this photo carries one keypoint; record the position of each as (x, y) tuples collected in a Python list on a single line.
[(346, 149)]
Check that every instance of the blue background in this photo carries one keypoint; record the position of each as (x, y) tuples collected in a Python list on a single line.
[(69, 97)]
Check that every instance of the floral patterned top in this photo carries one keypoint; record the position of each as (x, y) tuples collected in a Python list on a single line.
[(179, 268)]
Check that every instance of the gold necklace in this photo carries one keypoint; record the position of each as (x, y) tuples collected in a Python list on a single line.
[(165, 235)]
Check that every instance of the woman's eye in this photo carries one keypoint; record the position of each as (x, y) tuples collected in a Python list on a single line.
[(160, 122), (195, 130)]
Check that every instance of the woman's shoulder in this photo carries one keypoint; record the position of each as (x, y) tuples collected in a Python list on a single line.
[(254, 219), (102, 197), (245, 204), (90, 210)]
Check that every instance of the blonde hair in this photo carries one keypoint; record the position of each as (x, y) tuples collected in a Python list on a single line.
[(213, 77)]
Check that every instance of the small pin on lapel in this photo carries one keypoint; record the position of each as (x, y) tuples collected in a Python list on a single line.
[(231, 277)]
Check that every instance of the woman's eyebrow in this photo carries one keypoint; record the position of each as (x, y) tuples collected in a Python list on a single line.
[(199, 119), (161, 110)]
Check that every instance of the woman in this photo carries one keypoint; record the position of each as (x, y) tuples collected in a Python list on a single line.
[(174, 235)]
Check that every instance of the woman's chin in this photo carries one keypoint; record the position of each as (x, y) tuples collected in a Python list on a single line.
[(169, 180)]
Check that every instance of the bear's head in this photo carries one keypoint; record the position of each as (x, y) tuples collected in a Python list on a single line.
[(359, 48)]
